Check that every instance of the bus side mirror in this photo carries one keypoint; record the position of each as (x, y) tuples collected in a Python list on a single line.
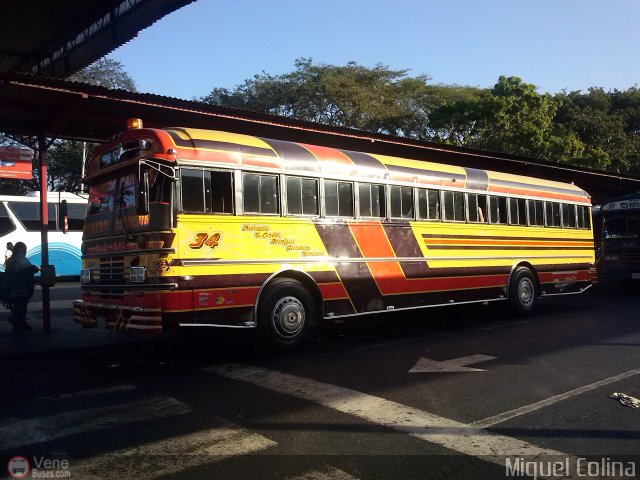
[(142, 198), (63, 216)]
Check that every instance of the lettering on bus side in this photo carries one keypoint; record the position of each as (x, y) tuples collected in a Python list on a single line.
[(204, 239)]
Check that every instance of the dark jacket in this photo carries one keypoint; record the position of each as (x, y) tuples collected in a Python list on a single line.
[(19, 283)]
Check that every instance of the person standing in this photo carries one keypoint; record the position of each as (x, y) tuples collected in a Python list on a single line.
[(8, 252), (19, 284)]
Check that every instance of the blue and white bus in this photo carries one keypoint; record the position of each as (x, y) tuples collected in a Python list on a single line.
[(20, 222)]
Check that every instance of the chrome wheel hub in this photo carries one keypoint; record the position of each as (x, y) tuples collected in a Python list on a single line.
[(287, 317), (526, 292)]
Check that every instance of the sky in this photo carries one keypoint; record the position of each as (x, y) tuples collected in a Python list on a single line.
[(554, 44)]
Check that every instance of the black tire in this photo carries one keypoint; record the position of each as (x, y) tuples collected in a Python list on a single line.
[(286, 314), (523, 291)]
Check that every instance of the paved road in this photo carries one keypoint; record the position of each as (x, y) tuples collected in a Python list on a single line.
[(444, 393)]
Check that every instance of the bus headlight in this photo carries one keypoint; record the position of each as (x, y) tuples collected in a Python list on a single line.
[(85, 275), (137, 274)]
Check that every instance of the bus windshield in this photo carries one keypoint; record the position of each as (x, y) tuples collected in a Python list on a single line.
[(112, 205), (622, 228)]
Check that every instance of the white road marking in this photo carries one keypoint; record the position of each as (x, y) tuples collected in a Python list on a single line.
[(92, 393), (329, 473), (503, 417), (432, 428), (19, 433), (173, 455), (425, 365)]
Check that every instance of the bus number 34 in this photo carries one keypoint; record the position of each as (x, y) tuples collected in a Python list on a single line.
[(203, 238)]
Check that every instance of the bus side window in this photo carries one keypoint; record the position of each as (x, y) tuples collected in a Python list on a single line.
[(302, 196), (260, 193), (401, 201), (6, 225), (517, 211), (497, 210), (583, 217), (536, 213), (29, 215), (192, 182), (553, 214), (454, 206), (477, 208), (372, 200), (338, 198), (428, 204), (75, 216), (220, 195), (568, 216)]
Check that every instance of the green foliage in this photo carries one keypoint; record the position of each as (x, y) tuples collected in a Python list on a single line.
[(596, 129), (106, 73)]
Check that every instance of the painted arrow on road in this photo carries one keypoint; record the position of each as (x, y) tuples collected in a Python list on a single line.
[(425, 365)]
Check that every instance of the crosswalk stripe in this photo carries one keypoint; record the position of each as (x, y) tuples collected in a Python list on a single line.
[(92, 393), (173, 455), (450, 434), (43, 429), (329, 473)]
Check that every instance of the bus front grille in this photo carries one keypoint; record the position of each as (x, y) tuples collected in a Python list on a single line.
[(111, 273)]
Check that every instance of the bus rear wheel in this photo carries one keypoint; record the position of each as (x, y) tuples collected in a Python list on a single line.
[(286, 314), (523, 291)]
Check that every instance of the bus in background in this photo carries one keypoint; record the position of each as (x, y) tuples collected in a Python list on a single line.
[(620, 247), (196, 228), (20, 222)]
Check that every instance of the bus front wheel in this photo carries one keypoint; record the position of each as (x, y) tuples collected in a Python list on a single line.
[(286, 314), (523, 291)]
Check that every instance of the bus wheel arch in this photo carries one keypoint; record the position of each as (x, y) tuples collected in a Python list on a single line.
[(287, 308), (523, 289)]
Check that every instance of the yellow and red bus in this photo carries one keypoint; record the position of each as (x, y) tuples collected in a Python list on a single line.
[(196, 228)]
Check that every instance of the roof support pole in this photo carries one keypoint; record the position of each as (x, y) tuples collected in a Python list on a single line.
[(44, 229)]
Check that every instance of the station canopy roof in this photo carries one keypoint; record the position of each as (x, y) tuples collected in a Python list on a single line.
[(58, 38), (72, 110)]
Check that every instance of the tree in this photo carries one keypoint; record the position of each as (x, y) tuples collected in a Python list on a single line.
[(510, 118), (377, 99), (607, 123), (105, 72)]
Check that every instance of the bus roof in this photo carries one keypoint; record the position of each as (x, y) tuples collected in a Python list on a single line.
[(209, 147), (623, 203)]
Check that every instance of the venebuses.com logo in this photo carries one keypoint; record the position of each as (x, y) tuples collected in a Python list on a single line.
[(38, 467), (18, 467)]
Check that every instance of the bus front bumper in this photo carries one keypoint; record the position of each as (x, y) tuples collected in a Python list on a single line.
[(117, 317)]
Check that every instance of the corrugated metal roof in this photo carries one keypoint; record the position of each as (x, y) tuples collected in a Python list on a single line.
[(58, 38), (58, 108)]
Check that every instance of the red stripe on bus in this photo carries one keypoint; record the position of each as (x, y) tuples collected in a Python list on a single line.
[(232, 158), (507, 243), (182, 300), (537, 193), (550, 277), (338, 160), (333, 291)]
